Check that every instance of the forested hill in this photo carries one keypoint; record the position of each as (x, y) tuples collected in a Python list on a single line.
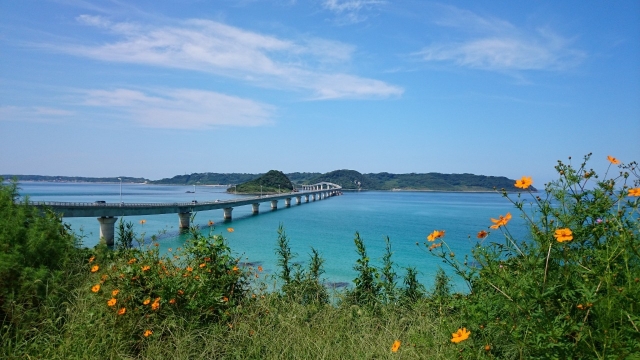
[(125, 179), (353, 180)]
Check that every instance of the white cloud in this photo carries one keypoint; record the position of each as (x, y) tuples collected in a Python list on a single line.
[(33, 114), (350, 10), (220, 49), (494, 44), (182, 108)]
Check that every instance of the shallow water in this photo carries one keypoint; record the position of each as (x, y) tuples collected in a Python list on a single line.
[(327, 225)]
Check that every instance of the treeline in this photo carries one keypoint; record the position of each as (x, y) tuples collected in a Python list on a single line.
[(125, 179)]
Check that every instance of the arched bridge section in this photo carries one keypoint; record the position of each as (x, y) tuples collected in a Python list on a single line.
[(107, 213)]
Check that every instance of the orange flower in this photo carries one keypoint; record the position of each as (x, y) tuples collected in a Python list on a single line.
[(563, 235), (501, 221), (434, 246), (147, 333), (230, 229), (146, 267), (524, 183), (634, 192), (132, 261), (580, 306), (180, 292), (436, 234), (235, 268), (122, 311), (225, 299), (91, 259), (395, 346), (143, 221), (482, 234), (613, 160), (95, 268), (460, 335), (189, 268), (155, 305), (260, 268), (211, 223), (112, 302), (172, 301), (146, 302), (115, 292), (95, 288), (203, 265)]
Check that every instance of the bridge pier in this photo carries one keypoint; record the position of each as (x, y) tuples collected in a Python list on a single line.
[(287, 202), (274, 204), (185, 218), (227, 213), (255, 208), (298, 199), (107, 228), (306, 198)]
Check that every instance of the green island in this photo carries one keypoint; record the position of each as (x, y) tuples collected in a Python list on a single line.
[(348, 179), (569, 290)]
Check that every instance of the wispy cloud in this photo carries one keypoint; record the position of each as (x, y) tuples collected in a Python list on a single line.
[(351, 10), (220, 49), (33, 113), (494, 44), (182, 108)]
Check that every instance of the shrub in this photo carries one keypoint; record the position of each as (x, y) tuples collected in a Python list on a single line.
[(571, 290)]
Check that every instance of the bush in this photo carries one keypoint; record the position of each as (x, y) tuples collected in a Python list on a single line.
[(572, 289)]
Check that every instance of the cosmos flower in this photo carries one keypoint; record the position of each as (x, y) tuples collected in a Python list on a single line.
[(460, 335), (563, 235), (524, 183)]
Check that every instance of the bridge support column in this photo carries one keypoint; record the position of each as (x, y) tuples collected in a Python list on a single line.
[(313, 197), (255, 208), (274, 204), (298, 200), (306, 198), (287, 202), (227, 213), (185, 218), (107, 228)]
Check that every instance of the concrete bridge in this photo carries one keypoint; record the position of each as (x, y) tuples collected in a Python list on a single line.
[(107, 213)]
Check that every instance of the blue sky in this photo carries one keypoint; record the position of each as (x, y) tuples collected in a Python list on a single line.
[(160, 88)]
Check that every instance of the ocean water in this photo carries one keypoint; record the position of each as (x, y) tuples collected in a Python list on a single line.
[(327, 225)]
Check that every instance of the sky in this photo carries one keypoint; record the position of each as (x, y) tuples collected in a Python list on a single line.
[(158, 88)]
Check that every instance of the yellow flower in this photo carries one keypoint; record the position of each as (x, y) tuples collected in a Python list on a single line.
[(115, 292), (146, 267), (203, 265), (95, 268), (524, 183), (613, 160), (122, 311), (147, 333), (235, 268), (501, 221), (482, 234), (395, 346), (132, 260), (146, 302), (460, 335), (563, 235), (230, 229), (91, 259), (634, 192), (436, 234), (155, 305), (95, 288), (143, 221), (112, 302)]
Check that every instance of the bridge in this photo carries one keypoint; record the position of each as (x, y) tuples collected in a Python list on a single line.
[(107, 213)]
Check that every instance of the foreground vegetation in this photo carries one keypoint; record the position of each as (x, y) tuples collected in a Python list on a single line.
[(569, 290)]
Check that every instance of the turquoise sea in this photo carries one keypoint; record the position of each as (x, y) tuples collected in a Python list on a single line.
[(327, 225)]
